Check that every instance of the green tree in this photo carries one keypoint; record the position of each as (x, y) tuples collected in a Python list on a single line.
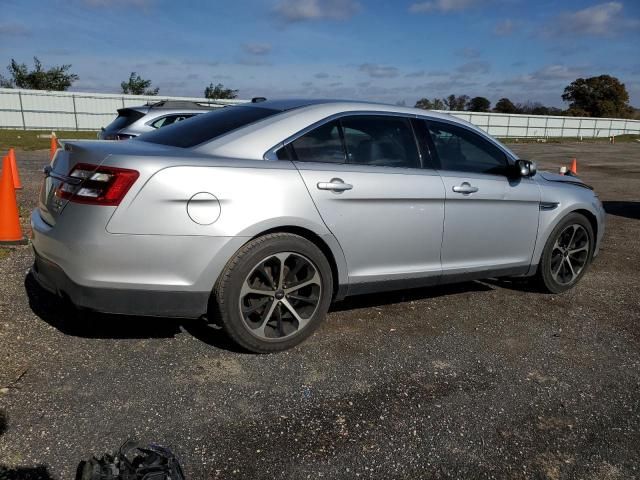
[(504, 105), (478, 104), (603, 96), (56, 78), (456, 103), (427, 104), (218, 92), (136, 85)]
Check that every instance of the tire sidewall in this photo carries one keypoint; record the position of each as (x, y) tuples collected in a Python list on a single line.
[(545, 266), (241, 266)]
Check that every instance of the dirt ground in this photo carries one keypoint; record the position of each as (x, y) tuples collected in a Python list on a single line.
[(478, 380)]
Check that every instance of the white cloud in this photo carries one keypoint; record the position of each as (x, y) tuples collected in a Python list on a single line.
[(378, 71), (599, 20), (443, 6), (257, 48), (305, 10)]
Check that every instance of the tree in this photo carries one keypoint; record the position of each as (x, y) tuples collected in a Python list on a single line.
[(138, 86), (478, 104), (603, 96), (56, 78), (217, 92), (427, 104), (456, 103), (504, 105)]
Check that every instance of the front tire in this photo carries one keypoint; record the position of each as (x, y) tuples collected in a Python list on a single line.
[(567, 254), (274, 292)]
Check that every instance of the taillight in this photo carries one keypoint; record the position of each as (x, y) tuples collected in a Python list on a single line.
[(100, 185)]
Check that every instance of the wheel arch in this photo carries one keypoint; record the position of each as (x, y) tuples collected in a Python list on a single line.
[(592, 220)]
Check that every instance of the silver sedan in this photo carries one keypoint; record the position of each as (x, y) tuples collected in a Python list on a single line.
[(260, 215)]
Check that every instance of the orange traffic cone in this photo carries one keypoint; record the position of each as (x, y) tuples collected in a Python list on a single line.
[(54, 146), (14, 170), (574, 167), (10, 231)]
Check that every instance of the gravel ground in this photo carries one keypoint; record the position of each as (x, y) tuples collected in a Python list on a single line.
[(477, 380)]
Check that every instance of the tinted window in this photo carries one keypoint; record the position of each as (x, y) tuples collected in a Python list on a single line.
[(381, 141), (462, 150), (323, 144), (125, 118), (169, 119), (207, 126)]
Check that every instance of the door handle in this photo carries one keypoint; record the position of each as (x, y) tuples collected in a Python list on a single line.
[(465, 188), (335, 185)]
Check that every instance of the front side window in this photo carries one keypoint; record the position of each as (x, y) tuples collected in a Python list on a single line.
[(322, 144), (462, 150), (384, 141)]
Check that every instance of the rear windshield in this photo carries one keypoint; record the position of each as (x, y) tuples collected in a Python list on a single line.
[(124, 119), (208, 126)]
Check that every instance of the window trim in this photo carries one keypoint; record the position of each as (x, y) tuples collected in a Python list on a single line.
[(428, 160), (270, 155), (436, 158)]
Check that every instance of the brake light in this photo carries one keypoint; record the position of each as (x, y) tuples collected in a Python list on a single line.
[(100, 185)]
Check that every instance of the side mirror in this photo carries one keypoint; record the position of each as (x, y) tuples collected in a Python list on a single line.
[(526, 168)]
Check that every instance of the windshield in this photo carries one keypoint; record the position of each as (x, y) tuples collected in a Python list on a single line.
[(208, 126)]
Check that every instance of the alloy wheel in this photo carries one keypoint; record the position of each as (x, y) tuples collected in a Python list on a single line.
[(570, 254), (280, 295)]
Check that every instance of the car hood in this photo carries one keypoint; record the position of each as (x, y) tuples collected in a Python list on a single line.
[(556, 177)]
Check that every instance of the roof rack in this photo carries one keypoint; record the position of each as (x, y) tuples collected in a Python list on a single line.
[(181, 104)]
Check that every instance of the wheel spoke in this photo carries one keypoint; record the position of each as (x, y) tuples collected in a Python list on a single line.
[(315, 280), (265, 319), (580, 249), (283, 258), (573, 234), (299, 298), (573, 273), (246, 289), (266, 276), (256, 306), (301, 321)]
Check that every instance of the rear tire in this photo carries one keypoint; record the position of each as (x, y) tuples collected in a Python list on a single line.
[(274, 292), (566, 255)]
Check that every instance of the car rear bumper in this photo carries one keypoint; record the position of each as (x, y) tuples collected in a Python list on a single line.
[(150, 275), (157, 303)]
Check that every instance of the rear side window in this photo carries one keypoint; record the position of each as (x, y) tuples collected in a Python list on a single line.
[(462, 150), (207, 126), (322, 144), (383, 141), (169, 120), (125, 118)]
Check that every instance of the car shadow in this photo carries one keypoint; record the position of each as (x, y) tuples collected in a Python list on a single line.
[(623, 209), (40, 472), (63, 316), (400, 296)]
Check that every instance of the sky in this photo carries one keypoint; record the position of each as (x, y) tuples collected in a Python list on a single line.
[(389, 51)]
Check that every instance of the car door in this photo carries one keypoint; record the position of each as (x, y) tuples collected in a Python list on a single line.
[(365, 176), (491, 215)]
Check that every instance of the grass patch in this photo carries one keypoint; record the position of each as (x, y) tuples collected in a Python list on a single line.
[(29, 139), (4, 252)]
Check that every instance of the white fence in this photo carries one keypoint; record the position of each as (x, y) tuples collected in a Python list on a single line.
[(542, 126), (44, 110)]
